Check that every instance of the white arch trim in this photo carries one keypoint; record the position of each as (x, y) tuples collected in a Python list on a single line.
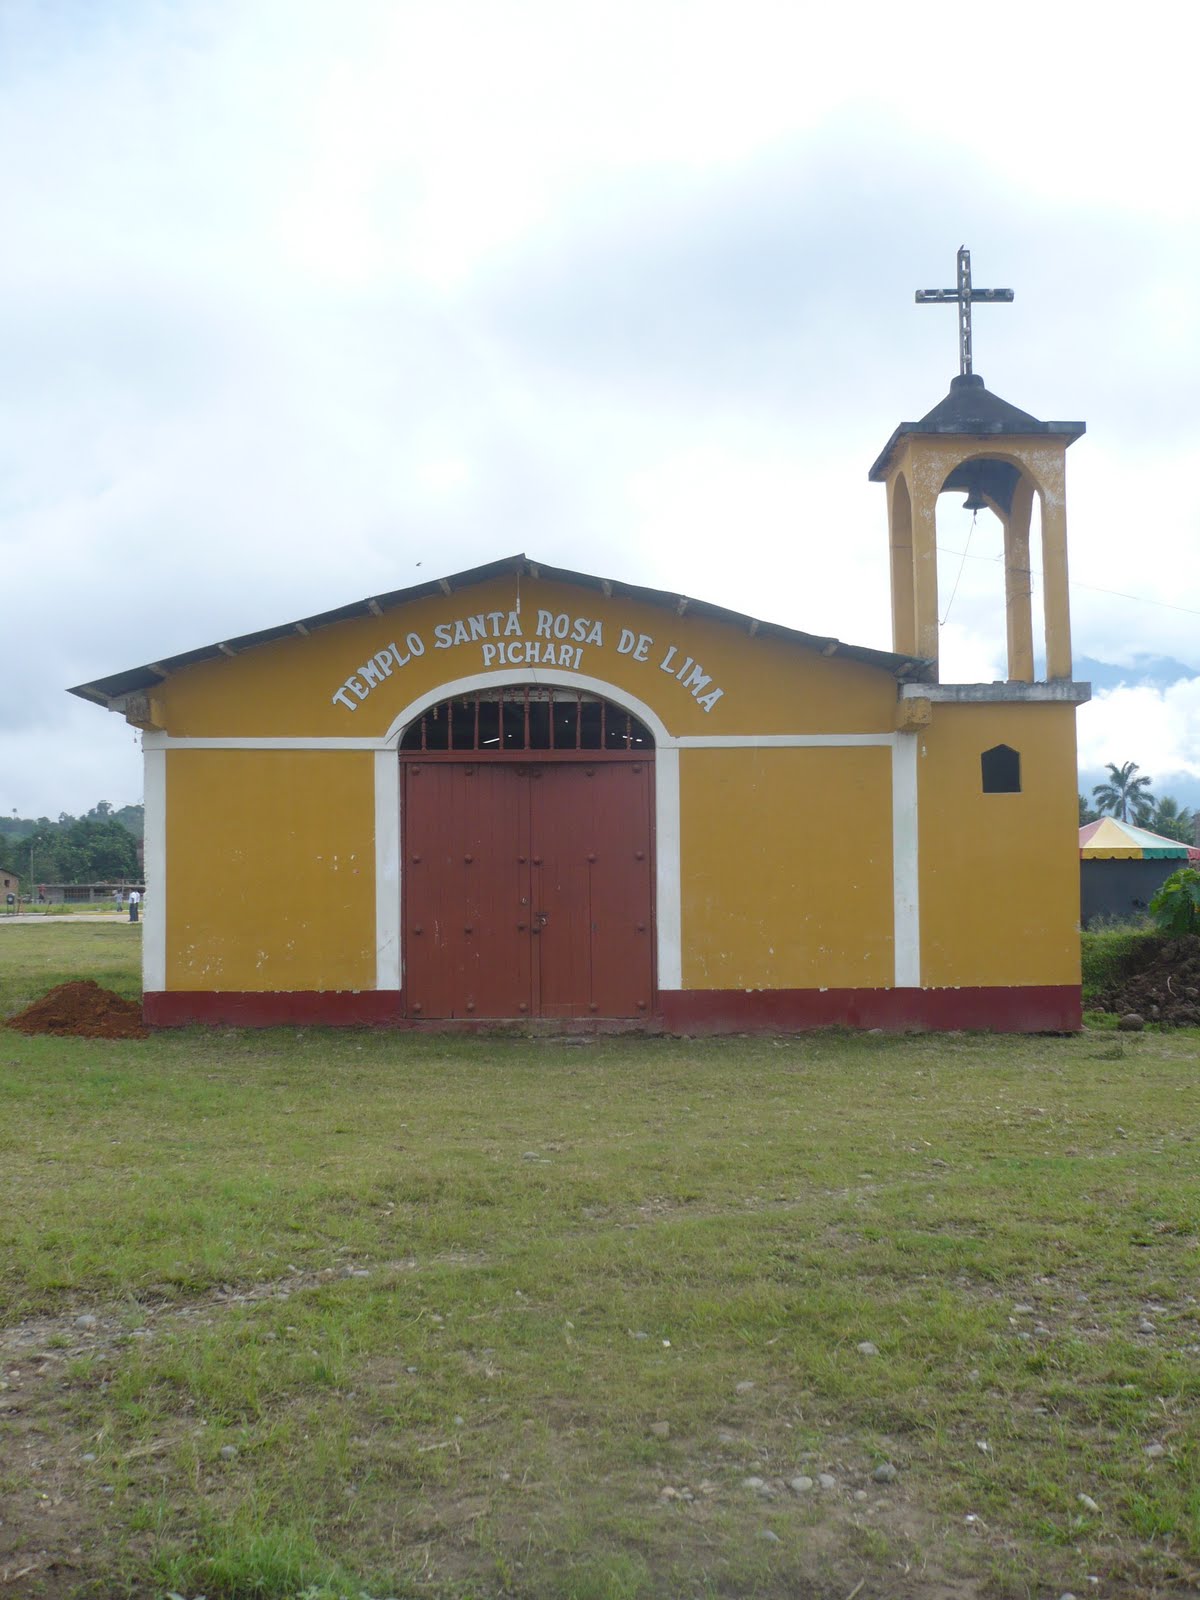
[(542, 677), (667, 896), (154, 855)]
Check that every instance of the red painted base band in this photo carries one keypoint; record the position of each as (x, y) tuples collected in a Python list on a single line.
[(364, 1008), (1027, 1009)]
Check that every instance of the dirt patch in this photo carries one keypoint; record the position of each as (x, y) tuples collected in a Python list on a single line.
[(58, 1540), (82, 1010), (1166, 990), (56, 1531)]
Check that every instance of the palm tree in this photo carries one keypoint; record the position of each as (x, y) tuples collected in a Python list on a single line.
[(1124, 796), (1170, 821)]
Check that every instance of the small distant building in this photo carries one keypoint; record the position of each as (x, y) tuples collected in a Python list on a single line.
[(72, 894), (1122, 867), (9, 884)]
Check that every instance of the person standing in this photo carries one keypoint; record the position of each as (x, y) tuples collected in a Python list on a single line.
[(134, 901)]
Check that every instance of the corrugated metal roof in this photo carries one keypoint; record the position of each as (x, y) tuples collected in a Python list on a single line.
[(136, 680)]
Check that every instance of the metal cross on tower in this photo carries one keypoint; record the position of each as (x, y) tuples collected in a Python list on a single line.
[(964, 294)]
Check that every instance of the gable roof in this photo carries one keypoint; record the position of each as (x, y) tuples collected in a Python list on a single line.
[(135, 680)]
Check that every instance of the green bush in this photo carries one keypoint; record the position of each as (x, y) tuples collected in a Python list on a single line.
[(1110, 954), (1176, 906)]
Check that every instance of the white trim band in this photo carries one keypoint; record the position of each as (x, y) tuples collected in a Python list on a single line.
[(166, 741), (154, 856), (906, 903), (662, 739), (668, 892), (783, 741), (388, 958)]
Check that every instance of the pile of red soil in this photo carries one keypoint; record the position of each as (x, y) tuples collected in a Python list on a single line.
[(1166, 990), (82, 1010)]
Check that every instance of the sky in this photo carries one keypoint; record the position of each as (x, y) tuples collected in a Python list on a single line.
[(302, 302)]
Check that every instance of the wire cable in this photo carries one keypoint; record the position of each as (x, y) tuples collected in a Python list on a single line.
[(961, 565), (1072, 583)]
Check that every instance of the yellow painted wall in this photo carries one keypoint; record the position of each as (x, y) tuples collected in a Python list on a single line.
[(786, 868), (286, 688), (270, 870), (999, 873)]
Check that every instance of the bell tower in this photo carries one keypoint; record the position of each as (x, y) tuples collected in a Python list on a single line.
[(974, 442)]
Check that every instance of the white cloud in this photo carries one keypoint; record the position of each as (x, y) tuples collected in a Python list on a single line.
[(300, 295), (1157, 728)]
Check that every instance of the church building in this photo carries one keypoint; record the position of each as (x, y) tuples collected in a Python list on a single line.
[(526, 795)]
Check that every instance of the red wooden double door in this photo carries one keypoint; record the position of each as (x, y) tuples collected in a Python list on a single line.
[(528, 886)]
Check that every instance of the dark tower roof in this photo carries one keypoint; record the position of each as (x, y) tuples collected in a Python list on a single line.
[(971, 410)]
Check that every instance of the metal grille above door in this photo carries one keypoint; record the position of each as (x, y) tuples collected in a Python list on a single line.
[(526, 717)]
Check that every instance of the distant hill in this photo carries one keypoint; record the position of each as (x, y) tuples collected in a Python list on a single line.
[(1149, 671), (131, 818)]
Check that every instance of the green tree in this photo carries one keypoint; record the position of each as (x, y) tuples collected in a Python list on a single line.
[(82, 850), (133, 818), (1176, 906), (1086, 814), (101, 849), (1126, 795), (88, 849), (1169, 820)]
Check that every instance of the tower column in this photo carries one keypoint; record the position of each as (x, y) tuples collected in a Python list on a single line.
[(1054, 571), (925, 580), (904, 626), (1018, 586)]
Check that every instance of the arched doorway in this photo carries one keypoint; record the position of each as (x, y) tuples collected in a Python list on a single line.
[(527, 817)]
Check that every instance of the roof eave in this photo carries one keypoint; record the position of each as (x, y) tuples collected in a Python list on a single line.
[(136, 680), (1068, 432)]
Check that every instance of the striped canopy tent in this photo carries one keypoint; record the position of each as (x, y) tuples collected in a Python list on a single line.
[(1111, 840)]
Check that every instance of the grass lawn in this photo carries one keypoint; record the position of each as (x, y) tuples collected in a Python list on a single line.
[(490, 1317)]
